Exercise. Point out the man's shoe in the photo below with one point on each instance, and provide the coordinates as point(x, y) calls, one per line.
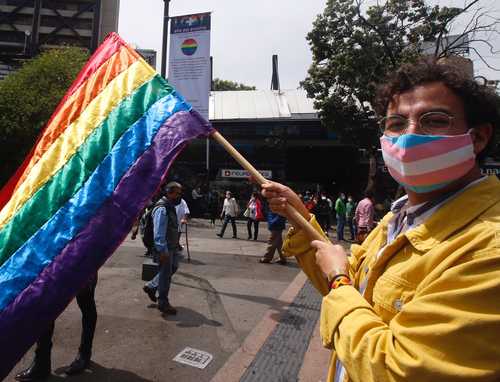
point(218, 234)
point(263, 260)
point(282, 261)
point(150, 292)
point(78, 366)
point(38, 371)
point(167, 309)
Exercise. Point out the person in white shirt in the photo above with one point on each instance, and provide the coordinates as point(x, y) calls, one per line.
point(230, 210)
point(182, 211)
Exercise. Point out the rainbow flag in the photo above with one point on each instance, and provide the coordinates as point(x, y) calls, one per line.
point(102, 155)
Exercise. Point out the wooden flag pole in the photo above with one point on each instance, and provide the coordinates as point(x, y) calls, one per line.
point(294, 215)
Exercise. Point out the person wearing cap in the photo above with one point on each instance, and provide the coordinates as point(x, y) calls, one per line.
point(166, 246)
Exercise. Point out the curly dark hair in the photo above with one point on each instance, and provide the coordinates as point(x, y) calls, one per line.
point(481, 104)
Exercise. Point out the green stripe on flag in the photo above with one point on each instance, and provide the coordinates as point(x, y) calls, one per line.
point(70, 178)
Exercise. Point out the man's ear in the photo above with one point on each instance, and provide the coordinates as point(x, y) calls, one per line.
point(481, 136)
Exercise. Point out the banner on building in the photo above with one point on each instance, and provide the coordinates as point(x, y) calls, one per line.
point(189, 59)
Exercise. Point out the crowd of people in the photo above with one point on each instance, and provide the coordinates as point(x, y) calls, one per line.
point(358, 217)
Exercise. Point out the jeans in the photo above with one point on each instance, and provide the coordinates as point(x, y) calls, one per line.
point(352, 227)
point(255, 228)
point(228, 218)
point(340, 227)
point(323, 221)
point(86, 303)
point(163, 278)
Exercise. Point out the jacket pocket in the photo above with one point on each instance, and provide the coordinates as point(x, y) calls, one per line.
point(390, 294)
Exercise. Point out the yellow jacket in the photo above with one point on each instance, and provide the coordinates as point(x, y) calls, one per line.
point(431, 310)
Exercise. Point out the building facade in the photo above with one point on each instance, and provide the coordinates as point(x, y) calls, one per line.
point(28, 26)
point(280, 133)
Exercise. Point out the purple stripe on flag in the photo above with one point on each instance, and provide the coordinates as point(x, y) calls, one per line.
point(27, 318)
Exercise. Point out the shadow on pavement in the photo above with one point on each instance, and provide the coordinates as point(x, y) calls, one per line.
point(97, 372)
point(282, 314)
point(188, 318)
point(192, 262)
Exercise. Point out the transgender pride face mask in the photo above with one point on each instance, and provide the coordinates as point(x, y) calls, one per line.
point(425, 163)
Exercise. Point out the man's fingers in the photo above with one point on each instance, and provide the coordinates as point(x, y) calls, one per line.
point(277, 203)
point(316, 244)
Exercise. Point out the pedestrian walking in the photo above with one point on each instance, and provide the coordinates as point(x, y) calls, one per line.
point(276, 224)
point(213, 206)
point(41, 366)
point(230, 211)
point(363, 216)
point(166, 246)
point(350, 209)
point(340, 212)
point(254, 215)
point(418, 300)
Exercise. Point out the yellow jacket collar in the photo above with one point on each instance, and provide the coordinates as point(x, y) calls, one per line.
point(455, 214)
point(451, 216)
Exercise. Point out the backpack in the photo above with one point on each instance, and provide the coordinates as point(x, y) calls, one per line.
point(322, 207)
point(146, 224)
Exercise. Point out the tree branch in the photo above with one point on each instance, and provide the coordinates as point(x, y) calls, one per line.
point(484, 61)
point(382, 38)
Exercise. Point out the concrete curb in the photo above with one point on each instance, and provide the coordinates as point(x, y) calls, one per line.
point(237, 364)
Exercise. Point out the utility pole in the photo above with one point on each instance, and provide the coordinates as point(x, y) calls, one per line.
point(35, 28)
point(208, 139)
point(165, 39)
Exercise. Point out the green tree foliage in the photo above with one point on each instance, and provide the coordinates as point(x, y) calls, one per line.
point(28, 98)
point(223, 85)
point(354, 46)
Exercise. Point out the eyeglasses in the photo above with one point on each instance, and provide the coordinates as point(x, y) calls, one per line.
point(431, 123)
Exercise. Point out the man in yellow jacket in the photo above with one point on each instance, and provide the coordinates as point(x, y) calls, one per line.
point(419, 300)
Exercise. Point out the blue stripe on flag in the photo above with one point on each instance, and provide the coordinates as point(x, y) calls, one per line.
point(39, 251)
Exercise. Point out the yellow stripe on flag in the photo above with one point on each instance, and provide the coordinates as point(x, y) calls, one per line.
point(75, 134)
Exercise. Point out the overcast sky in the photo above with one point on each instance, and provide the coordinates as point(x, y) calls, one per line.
point(245, 34)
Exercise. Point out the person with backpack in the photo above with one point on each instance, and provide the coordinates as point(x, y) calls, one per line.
point(140, 228)
point(165, 238)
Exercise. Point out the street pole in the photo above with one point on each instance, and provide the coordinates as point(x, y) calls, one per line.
point(208, 140)
point(165, 39)
point(35, 29)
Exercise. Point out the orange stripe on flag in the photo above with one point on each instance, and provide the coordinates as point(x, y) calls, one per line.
point(78, 101)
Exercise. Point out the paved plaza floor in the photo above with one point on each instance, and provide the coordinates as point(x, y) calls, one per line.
point(241, 312)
